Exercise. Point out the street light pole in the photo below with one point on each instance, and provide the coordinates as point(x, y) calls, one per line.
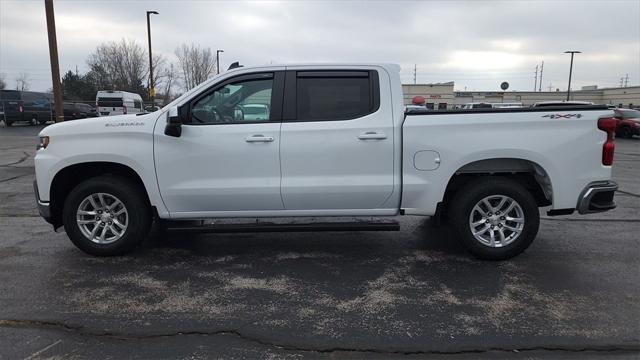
point(570, 70)
point(218, 61)
point(152, 91)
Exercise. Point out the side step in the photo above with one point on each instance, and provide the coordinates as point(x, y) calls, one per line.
point(292, 227)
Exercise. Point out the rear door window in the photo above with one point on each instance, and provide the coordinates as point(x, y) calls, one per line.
point(334, 95)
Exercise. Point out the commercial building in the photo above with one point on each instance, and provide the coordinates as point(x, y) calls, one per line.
point(443, 96)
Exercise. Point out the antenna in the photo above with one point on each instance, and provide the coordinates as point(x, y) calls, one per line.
point(535, 84)
point(541, 68)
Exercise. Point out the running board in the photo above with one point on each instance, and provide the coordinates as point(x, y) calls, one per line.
point(295, 227)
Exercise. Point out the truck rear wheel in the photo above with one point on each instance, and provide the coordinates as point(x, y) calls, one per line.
point(107, 216)
point(495, 218)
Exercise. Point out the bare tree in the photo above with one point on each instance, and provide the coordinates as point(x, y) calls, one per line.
point(22, 82)
point(159, 71)
point(169, 78)
point(196, 64)
point(3, 82)
point(123, 66)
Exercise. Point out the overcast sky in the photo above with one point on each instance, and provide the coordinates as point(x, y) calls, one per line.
point(477, 44)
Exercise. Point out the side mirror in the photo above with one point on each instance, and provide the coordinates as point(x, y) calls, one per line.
point(174, 124)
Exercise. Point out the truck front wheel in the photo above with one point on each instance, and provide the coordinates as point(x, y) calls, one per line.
point(107, 216)
point(495, 218)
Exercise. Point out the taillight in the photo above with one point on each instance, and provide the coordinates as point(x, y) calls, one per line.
point(609, 126)
point(20, 107)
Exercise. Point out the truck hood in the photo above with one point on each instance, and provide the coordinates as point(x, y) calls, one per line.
point(103, 125)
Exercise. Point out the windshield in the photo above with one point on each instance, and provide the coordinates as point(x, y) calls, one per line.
point(9, 95)
point(109, 102)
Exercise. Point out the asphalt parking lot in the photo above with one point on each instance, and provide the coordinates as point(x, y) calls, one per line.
point(413, 293)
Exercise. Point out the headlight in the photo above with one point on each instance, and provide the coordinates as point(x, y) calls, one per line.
point(44, 142)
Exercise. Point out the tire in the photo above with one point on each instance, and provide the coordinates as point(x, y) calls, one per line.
point(467, 207)
point(626, 133)
point(124, 230)
point(8, 123)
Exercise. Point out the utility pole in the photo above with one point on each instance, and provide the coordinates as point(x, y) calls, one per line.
point(626, 80)
point(53, 58)
point(572, 52)
point(550, 87)
point(535, 84)
point(415, 71)
point(541, 68)
point(621, 81)
point(218, 61)
point(152, 90)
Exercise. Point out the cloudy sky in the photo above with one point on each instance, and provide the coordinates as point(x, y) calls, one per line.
point(477, 44)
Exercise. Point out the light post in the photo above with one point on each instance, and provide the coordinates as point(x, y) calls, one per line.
point(571, 69)
point(218, 61)
point(152, 91)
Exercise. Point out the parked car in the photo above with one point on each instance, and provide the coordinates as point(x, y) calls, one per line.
point(410, 108)
point(150, 108)
point(562, 103)
point(477, 105)
point(628, 122)
point(483, 105)
point(25, 106)
point(111, 102)
point(76, 110)
point(337, 143)
point(255, 111)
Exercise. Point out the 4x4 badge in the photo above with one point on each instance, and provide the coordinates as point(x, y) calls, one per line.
point(562, 116)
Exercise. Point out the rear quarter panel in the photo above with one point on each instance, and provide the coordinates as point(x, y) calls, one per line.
point(569, 150)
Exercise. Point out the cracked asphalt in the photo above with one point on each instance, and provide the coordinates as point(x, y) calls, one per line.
point(413, 293)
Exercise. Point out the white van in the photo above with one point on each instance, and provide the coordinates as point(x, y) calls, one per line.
point(112, 102)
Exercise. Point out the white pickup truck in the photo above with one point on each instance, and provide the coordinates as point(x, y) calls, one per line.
point(331, 141)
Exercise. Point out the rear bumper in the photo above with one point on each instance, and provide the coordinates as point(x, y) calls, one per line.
point(43, 207)
point(597, 197)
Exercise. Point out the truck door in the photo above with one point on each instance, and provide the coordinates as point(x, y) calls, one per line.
point(225, 161)
point(336, 146)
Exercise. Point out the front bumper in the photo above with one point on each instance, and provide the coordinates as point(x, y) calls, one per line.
point(43, 207)
point(597, 197)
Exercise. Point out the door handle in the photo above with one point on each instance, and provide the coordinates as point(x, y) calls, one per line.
point(258, 138)
point(372, 135)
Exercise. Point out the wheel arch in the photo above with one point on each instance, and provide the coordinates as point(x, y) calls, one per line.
point(528, 173)
point(72, 175)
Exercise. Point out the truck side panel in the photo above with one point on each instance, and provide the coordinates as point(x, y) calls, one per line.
point(569, 150)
